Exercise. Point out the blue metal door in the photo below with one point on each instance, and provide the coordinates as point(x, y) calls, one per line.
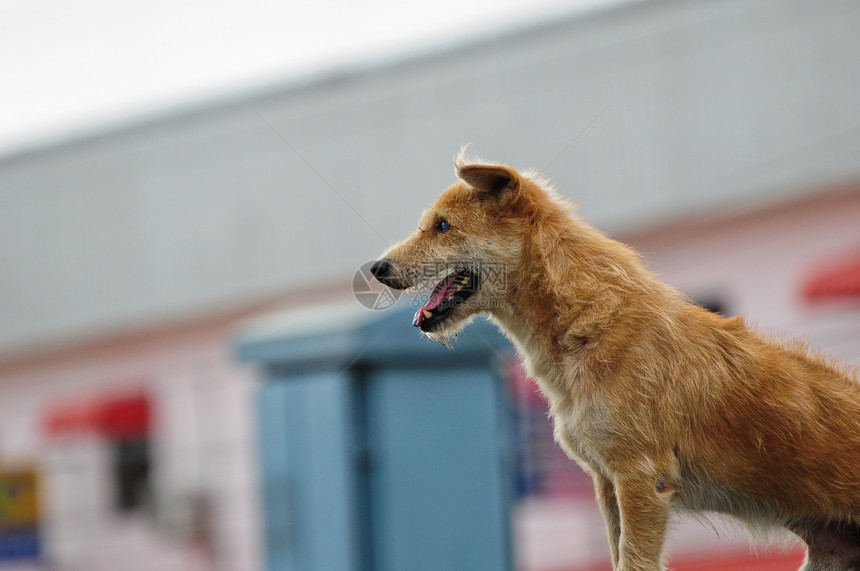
point(438, 485)
point(308, 488)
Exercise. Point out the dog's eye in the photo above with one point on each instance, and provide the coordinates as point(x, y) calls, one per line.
point(442, 226)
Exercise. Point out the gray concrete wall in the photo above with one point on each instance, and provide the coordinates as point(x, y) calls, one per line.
point(702, 106)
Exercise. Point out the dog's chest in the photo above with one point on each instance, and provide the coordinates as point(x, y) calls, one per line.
point(582, 424)
point(582, 427)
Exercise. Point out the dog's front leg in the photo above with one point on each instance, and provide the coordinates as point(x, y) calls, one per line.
point(605, 491)
point(644, 518)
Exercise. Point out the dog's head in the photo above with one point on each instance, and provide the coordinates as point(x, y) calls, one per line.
point(468, 244)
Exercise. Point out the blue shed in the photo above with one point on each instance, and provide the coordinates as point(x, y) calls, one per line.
point(381, 450)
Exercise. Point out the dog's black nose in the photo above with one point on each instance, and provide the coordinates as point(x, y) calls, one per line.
point(379, 268)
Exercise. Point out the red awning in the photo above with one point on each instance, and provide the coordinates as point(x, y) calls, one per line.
point(839, 280)
point(115, 417)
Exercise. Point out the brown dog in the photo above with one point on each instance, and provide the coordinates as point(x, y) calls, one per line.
point(666, 405)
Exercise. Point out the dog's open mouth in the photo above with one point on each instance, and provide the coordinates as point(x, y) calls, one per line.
point(448, 295)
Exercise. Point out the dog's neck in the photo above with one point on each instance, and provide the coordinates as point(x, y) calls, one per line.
point(569, 291)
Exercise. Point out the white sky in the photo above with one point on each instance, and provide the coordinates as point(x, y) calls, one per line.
point(68, 66)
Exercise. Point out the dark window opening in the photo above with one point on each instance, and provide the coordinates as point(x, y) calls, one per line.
point(714, 304)
point(132, 464)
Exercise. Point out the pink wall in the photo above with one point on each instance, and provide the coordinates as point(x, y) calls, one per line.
point(203, 446)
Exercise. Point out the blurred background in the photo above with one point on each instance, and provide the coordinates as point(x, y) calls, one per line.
point(196, 373)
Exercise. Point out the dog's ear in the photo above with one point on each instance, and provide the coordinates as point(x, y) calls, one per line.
point(498, 183)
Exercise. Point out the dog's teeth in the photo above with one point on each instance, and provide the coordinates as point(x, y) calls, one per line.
point(427, 314)
point(458, 289)
point(466, 280)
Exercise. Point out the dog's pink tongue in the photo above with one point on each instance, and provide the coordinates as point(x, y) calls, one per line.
point(435, 300)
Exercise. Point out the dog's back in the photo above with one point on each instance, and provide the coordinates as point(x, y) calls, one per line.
point(767, 426)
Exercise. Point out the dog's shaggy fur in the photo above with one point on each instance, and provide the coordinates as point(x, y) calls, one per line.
point(666, 405)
